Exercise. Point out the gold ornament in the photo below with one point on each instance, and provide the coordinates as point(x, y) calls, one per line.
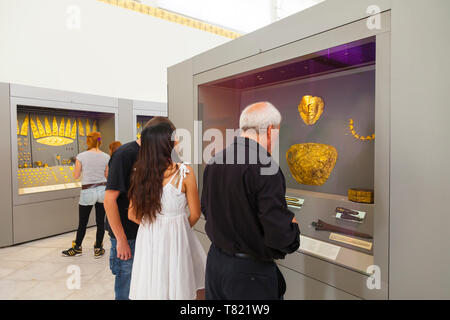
point(351, 128)
point(80, 128)
point(310, 109)
point(24, 129)
point(311, 163)
point(360, 195)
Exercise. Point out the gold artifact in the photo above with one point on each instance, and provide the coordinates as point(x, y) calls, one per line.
point(24, 128)
point(61, 128)
point(52, 136)
point(68, 129)
point(311, 163)
point(80, 128)
point(18, 131)
point(34, 129)
point(40, 127)
point(351, 127)
point(48, 129)
point(310, 109)
point(73, 134)
point(94, 126)
point(88, 127)
point(360, 195)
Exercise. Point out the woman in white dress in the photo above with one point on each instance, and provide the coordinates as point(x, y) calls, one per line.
point(169, 261)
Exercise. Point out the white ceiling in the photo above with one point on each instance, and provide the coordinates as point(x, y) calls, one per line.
point(239, 15)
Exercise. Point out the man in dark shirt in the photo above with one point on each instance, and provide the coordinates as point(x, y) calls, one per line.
point(121, 230)
point(247, 219)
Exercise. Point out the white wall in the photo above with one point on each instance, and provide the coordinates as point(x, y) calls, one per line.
point(115, 52)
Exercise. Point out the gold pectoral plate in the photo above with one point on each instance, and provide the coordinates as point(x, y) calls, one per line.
point(310, 109)
point(311, 163)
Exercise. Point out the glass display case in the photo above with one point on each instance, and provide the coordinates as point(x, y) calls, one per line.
point(48, 140)
point(140, 123)
point(326, 143)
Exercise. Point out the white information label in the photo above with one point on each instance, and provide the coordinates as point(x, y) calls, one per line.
point(319, 248)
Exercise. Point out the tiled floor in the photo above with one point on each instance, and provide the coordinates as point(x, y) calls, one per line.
point(37, 270)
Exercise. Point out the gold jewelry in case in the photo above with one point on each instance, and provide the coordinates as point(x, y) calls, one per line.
point(311, 163)
point(310, 109)
point(351, 128)
point(360, 195)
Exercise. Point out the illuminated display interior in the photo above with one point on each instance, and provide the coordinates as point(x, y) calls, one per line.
point(48, 141)
point(326, 144)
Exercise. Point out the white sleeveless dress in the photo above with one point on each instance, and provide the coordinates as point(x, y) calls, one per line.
point(169, 261)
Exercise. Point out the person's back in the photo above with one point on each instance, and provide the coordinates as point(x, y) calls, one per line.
point(93, 164)
point(92, 167)
point(240, 200)
point(247, 219)
point(169, 260)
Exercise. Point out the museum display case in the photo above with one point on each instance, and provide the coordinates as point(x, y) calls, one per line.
point(140, 123)
point(48, 141)
point(326, 141)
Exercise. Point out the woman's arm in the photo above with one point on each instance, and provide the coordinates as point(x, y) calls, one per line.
point(106, 172)
point(132, 214)
point(190, 185)
point(77, 171)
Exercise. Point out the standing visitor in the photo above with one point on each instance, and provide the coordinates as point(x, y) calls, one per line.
point(121, 230)
point(169, 262)
point(247, 219)
point(92, 167)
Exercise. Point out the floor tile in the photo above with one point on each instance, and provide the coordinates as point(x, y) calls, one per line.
point(27, 254)
point(7, 267)
point(47, 290)
point(10, 289)
point(38, 271)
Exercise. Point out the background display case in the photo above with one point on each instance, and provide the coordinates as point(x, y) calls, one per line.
point(140, 123)
point(48, 140)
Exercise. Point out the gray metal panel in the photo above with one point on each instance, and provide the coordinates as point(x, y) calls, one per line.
point(420, 152)
point(62, 96)
point(320, 18)
point(158, 107)
point(6, 229)
point(39, 220)
point(181, 100)
point(345, 34)
point(300, 287)
point(382, 156)
point(125, 121)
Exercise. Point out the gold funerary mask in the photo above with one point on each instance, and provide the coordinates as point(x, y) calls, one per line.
point(310, 109)
point(311, 163)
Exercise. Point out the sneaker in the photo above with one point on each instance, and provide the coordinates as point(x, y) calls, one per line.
point(98, 251)
point(74, 251)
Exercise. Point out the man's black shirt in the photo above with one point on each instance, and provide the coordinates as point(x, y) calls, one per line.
point(120, 168)
point(245, 210)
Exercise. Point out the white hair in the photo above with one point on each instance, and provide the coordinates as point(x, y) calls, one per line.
point(258, 116)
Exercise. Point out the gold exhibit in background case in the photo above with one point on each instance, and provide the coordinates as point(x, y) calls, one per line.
point(311, 163)
point(311, 109)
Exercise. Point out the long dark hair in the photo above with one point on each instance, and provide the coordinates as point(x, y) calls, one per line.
point(147, 179)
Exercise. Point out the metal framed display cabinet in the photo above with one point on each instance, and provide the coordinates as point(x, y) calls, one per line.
point(214, 86)
point(52, 126)
point(143, 111)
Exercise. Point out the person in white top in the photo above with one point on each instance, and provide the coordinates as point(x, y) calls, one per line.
point(169, 261)
point(92, 167)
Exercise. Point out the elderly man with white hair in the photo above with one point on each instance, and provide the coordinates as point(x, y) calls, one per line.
point(247, 219)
